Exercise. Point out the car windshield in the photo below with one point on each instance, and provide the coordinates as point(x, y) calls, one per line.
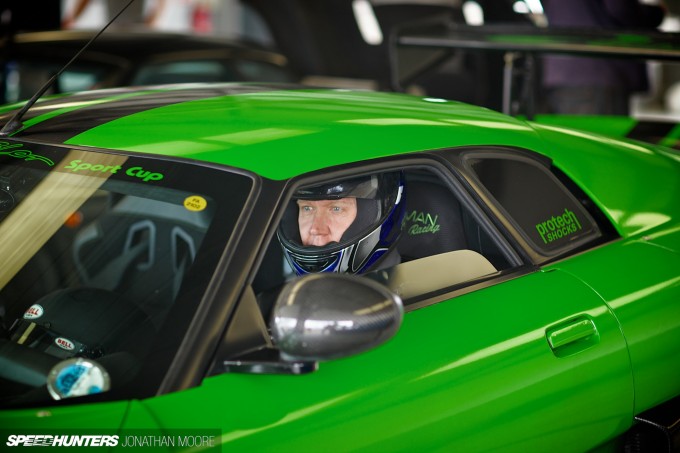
point(104, 260)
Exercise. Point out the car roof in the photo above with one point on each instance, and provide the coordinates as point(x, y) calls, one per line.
point(273, 130)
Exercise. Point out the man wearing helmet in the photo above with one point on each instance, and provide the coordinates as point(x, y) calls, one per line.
point(344, 226)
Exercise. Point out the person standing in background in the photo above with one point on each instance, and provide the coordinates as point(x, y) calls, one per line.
point(600, 86)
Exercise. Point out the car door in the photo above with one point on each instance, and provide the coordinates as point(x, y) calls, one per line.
point(525, 358)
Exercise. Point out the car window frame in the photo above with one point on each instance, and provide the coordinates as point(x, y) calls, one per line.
point(458, 158)
point(450, 176)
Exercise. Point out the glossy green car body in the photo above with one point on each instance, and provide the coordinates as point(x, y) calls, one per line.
point(558, 353)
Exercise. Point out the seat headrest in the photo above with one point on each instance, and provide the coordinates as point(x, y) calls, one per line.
point(432, 223)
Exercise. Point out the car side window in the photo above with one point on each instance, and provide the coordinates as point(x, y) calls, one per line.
point(547, 215)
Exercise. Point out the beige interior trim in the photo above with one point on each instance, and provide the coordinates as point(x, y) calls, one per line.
point(434, 272)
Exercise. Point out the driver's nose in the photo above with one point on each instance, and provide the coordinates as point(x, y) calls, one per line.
point(319, 224)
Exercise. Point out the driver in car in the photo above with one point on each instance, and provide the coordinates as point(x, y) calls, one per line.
point(347, 226)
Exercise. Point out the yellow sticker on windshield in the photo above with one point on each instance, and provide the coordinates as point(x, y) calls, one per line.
point(195, 203)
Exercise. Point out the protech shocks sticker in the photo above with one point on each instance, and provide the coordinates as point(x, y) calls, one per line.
point(558, 227)
point(421, 223)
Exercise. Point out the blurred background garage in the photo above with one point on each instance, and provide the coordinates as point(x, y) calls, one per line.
point(343, 43)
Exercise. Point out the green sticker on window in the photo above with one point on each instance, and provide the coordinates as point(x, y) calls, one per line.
point(558, 227)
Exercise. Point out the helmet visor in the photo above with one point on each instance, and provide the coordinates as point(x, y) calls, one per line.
point(361, 187)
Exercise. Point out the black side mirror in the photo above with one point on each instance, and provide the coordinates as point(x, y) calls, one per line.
point(328, 316)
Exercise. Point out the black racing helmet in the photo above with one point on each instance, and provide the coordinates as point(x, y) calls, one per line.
point(371, 236)
point(82, 322)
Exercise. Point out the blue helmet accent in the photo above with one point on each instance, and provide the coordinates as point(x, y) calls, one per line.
point(372, 235)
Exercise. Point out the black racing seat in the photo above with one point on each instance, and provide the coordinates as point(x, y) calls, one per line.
point(433, 221)
point(141, 249)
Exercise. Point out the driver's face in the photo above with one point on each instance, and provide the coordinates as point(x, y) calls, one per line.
point(325, 221)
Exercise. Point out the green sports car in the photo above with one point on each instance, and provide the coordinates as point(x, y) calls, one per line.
point(246, 267)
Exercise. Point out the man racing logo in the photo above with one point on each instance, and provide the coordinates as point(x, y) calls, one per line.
point(421, 223)
point(558, 227)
